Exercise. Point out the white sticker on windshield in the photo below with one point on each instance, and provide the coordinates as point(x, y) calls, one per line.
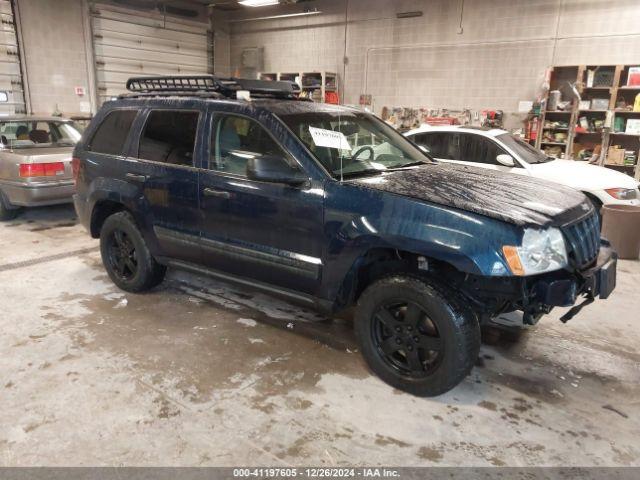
point(329, 139)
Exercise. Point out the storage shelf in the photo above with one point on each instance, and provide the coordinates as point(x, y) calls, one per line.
point(622, 134)
point(316, 85)
point(614, 90)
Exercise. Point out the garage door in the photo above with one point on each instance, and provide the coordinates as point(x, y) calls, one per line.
point(131, 43)
point(10, 75)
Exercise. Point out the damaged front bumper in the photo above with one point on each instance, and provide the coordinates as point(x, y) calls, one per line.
point(539, 294)
point(564, 288)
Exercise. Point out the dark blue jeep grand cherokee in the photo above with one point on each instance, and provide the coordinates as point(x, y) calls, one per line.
point(331, 207)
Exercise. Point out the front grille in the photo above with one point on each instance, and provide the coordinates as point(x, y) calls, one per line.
point(584, 240)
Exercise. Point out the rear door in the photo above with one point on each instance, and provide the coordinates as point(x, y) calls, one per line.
point(161, 165)
point(268, 232)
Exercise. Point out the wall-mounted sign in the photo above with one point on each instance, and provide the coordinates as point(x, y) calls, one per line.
point(79, 91)
point(4, 96)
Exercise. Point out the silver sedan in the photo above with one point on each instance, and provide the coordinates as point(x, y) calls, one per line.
point(35, 162)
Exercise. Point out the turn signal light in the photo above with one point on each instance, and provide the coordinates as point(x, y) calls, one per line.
point(41, 169)
point(513, 260)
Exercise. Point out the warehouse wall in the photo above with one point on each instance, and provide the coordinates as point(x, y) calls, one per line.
point(495, 57)
point(54, 55)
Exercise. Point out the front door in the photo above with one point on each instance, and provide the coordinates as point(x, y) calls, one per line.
point(268, 232)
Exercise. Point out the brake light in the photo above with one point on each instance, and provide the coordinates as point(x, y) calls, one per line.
point(75, 168)
point(42, 169)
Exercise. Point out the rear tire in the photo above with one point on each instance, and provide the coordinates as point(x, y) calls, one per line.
point(415, 335)
point(126, 257)
point(6, 213)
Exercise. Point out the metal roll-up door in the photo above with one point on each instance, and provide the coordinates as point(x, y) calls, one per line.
point(130, 43)
point(10, 73)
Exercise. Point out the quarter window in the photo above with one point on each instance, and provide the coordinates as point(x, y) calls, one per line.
point(169, 136)
point(112, 133)
point(235, 140)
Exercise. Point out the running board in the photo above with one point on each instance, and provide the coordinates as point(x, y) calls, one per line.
point(323, 305)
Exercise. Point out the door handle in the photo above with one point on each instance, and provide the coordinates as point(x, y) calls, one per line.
point(136, 178)
point(211, 192)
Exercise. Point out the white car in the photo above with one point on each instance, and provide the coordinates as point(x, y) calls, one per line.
point(499, 150)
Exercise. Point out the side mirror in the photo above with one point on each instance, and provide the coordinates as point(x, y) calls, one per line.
point(506, 160)
point(274, 169)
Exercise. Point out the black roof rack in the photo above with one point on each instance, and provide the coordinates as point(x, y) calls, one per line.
point(200, 85)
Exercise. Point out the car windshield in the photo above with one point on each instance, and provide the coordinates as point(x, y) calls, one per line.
point(351, 144)
point(525, 151)
point(38, 134)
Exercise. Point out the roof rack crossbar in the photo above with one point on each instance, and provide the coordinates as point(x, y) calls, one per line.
point(210, 83)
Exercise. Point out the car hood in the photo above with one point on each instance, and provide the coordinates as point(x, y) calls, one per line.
point(582, 175)
point(516, 199)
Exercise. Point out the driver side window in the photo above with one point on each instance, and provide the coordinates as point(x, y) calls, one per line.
point(235, 140)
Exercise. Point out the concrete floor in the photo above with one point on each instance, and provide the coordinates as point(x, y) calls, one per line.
point(203, 373)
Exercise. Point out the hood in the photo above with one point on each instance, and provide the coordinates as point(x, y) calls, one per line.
point(516, 199)
point(582, 175)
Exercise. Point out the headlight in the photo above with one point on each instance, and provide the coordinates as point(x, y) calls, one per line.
point(541, 251)
point(623, 193)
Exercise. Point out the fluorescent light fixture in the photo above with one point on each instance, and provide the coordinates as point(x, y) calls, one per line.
point(273, 17)
point(258, 3)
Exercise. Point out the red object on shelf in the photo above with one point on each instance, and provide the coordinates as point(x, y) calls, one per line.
point(634, 77)
point(331, 97)
point(533, 126)
point(441, 121)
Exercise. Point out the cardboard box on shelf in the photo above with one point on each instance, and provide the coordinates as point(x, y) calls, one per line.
point(615, 156)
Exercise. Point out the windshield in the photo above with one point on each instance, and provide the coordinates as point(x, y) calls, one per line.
point(352, 143)
point(525, 151)
point(38, 134)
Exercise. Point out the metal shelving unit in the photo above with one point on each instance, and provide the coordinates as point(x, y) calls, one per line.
point(616, 92)
point(313, 84)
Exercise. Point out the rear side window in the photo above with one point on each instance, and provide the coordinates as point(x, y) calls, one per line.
point(169, 136)
point(475, 148)
point(113, 132)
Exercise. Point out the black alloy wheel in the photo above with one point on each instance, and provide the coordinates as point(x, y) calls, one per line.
point(406, 338)
point(416, 334)
point(122, 256)
point(125, 255)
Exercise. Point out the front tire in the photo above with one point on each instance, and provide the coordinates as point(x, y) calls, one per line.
point(125, 255)
point(416, 335)
point(6, 213)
